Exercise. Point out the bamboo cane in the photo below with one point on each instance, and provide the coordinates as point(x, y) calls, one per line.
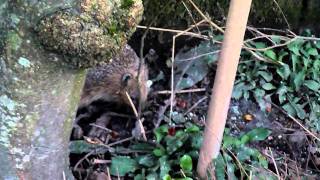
point(224, 80)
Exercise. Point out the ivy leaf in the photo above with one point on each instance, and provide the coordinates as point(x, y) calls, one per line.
point(313, 51)
point(276, 39)
point(159, 152)
point(299, 110)
point(268, 86)
point(313, 85)
point(271, 54)
point(81, 146)
point(219, 164)
point(295, 60)
point(160, 132)
point(146, 160)
point(267, 76)
point(186, 163)
point(122, 165)
point(295, 46)
point(238, 90)
point(259, 45)
point(284, 71)
point(289, 109)
point(282, 90)
point(282, 54)
point(193, 128)
point(164, 166)
point(257, 134)
point(175, 142)
point(298, 80)
point(166, 177)
point(152, 176)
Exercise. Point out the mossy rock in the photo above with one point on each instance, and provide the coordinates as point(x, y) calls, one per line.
point(92, 32)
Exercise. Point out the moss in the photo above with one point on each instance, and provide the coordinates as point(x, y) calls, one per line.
point(92, 35)
point(74, 101)
point(13, 40)
point(126, 4)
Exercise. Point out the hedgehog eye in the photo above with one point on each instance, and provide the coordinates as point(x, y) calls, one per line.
point(125, 79)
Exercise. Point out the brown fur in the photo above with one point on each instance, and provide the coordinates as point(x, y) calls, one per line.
point(105, 81)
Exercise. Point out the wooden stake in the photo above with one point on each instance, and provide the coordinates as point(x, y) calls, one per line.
point(223, 84)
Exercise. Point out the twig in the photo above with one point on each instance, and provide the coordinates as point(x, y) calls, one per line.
point(101, 161)
point(104, 128)
point(121, 141)
point(190, 14)
point(205, 17)
point(274, 163)
point(295, 120)
point(176, 31)
point(238, 162)
point(173, 89)
point(181, 91)
point(134, 109)
point(284, 17)
point(201, 55)
point(161, 112)
point(143, 132)
point(195, 105)
point(82, 159)
point(108, 173)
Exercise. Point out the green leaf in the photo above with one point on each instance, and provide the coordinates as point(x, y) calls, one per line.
point(298, 80)
point(193, 128)
point(289, 109)
point(313, 51)
point(282, 54)
point(299, 110)
point(175, 142)
point(295, 61)
point(13, 40)
point(146, 160)
point(152, 176)
point(259, 45)
point(267, 76)
point(238, 90)
point(122, 165)
point(142, 146)
point(271, 54)
point(229, 141)
point(312, 84)
point(81, 146)
point(186, 163)
point(259, 93)
point(164, 166)
point(281, 91)
point(317, 44)
point(160, 132)
point(284, 71)
point(257, 134)
point(295, 46)
point(138, 177)
point(268, 86)
point(186, 178)
point(166, 177)
point(178, 117)
point(159, 152)
point(219, 167)
point(276, 39)
point(196, 140)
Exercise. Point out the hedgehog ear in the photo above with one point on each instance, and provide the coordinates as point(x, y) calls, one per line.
point(125, 79)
